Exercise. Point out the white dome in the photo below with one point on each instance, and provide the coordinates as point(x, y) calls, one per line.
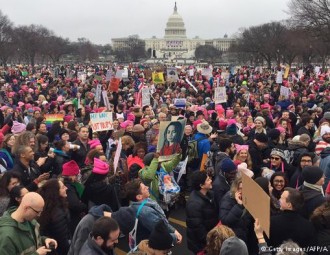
point(175, 26)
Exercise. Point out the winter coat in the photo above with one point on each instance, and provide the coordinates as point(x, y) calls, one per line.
point(325, 165)
point(60, 159)
point(313, 199)
point(291, 225)
point(256, 157)
point(80, 155)
point(235, 216)
point(90, 247)
point(296, 148)
point(203, 146)
point(58, 228)
point(201, 218)
point(27, 179)
point(220, 187)
point(49, 163)
point(19, 238)
point(85, 227)
point(149, 176)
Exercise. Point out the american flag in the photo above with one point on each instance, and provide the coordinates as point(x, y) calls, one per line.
point(138, 84)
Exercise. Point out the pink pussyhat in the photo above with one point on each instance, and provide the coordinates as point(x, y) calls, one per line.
point(94, 143)
point(100, 167)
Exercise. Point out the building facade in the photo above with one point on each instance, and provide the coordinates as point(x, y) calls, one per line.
point(175, 44)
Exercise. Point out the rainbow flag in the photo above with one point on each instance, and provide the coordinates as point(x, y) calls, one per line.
point(51, 118)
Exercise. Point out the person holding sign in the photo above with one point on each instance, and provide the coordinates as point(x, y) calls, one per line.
point(172, 139)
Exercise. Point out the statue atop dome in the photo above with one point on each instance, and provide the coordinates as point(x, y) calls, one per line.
point(175, 8)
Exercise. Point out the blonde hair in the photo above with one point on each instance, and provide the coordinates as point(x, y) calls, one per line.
point(215, 238)
point(248, 160)
point(127, 140)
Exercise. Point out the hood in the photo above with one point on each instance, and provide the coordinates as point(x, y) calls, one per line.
point(292, 145)
point(98, 210)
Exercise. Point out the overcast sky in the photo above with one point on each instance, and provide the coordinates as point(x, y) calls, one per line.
point(101, 20)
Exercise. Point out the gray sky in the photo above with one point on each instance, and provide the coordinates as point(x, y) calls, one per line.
point(101, 20)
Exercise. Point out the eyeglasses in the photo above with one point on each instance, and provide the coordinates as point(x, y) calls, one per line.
point(306, 161)
point(272, 158)
point(37, 212)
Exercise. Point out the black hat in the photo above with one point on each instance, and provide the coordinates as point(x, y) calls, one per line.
point(198, 178)
point(261, 137)
point(274, 134)
point(160, 238)
point(312, 174)
point(148, 158)
point(199, 112)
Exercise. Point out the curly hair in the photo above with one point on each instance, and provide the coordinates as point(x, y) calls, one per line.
point(51, 195)
point(215, 238)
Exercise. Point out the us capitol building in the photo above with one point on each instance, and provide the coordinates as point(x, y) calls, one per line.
point(175, 44)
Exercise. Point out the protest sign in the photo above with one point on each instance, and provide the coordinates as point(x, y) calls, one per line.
point(114, 84)
point(170, 136)
point(172, 75)
point(256, 201)
point(117, 156)
point(108, 75)
point(286, 73)
point(145, 96)
point(51, 118)
point(190, 84)
point(220, 95)
point(106, 99)
point(97, 98)
point(285, 92)
point(158, 77)
point(279, 77)
point(101, 121)
point(119, 74)
point(191, 72)
point(180, 103)
point(182, 166)
point(300, 73)
point(207, 72)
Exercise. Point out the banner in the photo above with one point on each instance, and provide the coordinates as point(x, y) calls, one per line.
point(101, 121)
point(114, 84)
point(117, 156)
point(51, 118)
point(220, 95)
point(180, 103)
point(158, 77)
point(145, 96)
point(172, 75)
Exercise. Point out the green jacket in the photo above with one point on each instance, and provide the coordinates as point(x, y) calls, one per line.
point(150, 178)
point(19, 238)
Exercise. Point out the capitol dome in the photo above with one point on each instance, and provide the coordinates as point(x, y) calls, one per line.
point(175, 26)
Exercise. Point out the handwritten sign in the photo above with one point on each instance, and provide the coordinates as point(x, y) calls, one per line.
point(101, 121)
point(220, 95)
point(117, 155)
point(279, 77)
point(98, 93)
point(285, 92)
point(145, 96)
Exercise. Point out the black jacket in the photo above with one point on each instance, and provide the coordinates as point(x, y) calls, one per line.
point(256, 157)
point(59, 160)
point(27, 177)
point(201, 218)
point(291, 225)
point(313, 199)
point(220, 187)
point(80, 155)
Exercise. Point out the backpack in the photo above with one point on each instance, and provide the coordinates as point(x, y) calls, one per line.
point(132, 234)
point(192, 151)
point(168, 188)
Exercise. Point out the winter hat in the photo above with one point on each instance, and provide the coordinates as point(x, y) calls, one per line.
point(281, 129)
point(263, 182)
point(261, 119)
point(148, 158)
point(228, 166)
point(130, 117)
point(274, 134)
point(142, 121)
point(325, 129)
point(277, 152)
point(231, 129)
point(312, 174)
point(18, 127)
point(326, 115)
point(94, 143)
point(196, 123)
point(70, 168)
point(125, 217)
point(160, 238)
point(242, 168)
point(261, 137)
point(233, 245)
point(138, 128)
point(100, 167)
point(241, 147)
point(68, 118)
point(229, 113)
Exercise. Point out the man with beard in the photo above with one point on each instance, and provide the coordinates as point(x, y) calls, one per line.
point(325, 142)
point(103, 238)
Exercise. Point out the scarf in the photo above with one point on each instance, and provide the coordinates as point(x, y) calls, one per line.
point(314, 187)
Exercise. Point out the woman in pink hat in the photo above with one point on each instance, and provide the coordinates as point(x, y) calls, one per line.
point(243, 155)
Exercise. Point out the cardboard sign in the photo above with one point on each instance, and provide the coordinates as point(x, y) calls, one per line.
point(279, 77)
point(145, 96)
point(285, 92)
point(158, 77)
point(257, 202)
point(203, 162)
point(117, 155)
point(101, 121)
point(286, 73)
point(180, 103)
point(114, 84)
point(220, 95)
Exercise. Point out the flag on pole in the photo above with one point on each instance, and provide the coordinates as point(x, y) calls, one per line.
point(138, 84)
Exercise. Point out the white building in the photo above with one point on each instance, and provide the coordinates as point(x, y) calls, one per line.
point(175, 44)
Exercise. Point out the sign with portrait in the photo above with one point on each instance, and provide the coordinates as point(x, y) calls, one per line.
point(170, 136)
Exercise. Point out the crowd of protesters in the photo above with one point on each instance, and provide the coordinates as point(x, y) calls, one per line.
point(60, 193)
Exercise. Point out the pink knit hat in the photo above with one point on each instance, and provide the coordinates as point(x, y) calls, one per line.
point(100, 167)
point(18, 127)
point(70, 168)
point(281, 129)
point(94, 143)
point(68, 118)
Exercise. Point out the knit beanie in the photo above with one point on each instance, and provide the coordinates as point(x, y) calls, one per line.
point(274, 134)
point(231, 129)
point(277, 152)
point(233, 245)
point(94, 143)
point(227, 166)
point(261, 137)
point(324, 130)
point(160, 238)
point(261, 119)
point(312, 174)
point(70, 168)
point(18, 127)
point(100, 167)
point(148, 158)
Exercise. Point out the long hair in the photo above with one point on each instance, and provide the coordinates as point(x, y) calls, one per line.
point(248, 159)
point(50, 192)
point(178, 128)
point(41, 139)
point(234, 186)
point(215, 238)
point(5, 180)
point(15, 194)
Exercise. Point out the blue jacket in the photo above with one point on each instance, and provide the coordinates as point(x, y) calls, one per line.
point(203, 146)
point(325, 165)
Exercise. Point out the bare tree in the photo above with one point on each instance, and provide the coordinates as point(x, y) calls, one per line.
point(6, 38)
point(207, 53)
point(56, 47)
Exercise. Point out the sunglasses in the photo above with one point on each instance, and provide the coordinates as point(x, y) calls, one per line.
point(272, 158)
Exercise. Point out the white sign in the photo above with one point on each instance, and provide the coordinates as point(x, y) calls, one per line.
point(191, 72)
point(220, 95)
point(207, 72)
point(285, 92)
point(279, 77)
point(145, 96)
point(97, 98)
point(106, 99)
point(117, 156)
point(190, 84)
point(182, 165)
point(119, 73)
point(300, 73)
point(109, 75)
point(101, 121)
